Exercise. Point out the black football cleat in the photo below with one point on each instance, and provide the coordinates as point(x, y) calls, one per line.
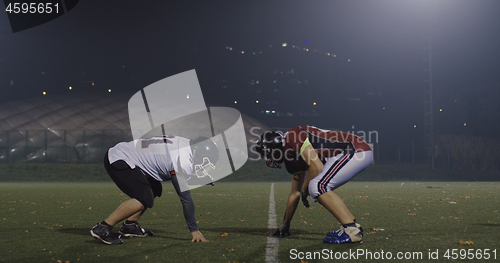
point(101, 232)
point(134, 230)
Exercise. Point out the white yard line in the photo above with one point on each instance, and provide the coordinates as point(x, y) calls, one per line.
point(272, 242)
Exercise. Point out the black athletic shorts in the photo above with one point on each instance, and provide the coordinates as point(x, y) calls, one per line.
point(133, 182)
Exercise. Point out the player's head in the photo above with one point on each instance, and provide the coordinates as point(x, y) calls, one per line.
point(270, 147)
point(205, 155)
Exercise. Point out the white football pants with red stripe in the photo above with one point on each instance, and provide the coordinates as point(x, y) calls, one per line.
point(337, 171)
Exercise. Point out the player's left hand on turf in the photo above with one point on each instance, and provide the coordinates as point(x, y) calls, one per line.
point(283, 230)
point(303, 197)
point(198, 237)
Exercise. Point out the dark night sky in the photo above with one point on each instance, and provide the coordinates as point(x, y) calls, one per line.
point(157, 39)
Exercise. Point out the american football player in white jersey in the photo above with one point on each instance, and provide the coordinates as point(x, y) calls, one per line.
point(138, 167)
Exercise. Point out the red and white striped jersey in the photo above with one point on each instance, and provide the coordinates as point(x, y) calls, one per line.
point(327, 144)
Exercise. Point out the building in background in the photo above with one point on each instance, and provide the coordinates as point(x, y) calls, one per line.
point(69, 128)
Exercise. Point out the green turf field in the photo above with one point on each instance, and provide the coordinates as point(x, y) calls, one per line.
point(50, 222)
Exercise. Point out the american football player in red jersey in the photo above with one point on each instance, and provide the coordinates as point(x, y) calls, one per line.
point(320, 161)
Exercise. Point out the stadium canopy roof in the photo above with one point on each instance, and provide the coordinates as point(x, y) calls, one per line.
point(70, 128)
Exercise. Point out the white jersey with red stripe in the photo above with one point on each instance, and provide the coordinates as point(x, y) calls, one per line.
point(159, 157)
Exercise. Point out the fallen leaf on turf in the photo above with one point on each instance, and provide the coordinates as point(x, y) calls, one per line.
point(224, 234)
point(230, 250)
point(465, 242)
point(302, 261)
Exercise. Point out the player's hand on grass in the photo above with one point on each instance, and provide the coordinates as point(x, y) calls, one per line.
point(303, 197)
point(198, 237)
point(283, 231)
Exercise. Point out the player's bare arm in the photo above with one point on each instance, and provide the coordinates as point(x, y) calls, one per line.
point(294, 196)
point(291, 205)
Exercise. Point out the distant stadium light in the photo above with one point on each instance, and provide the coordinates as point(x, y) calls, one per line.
point(284, 44)
point(44, 93)
point(70, 88)
point(109, 90)
point(187, 97)
point(257, 101)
